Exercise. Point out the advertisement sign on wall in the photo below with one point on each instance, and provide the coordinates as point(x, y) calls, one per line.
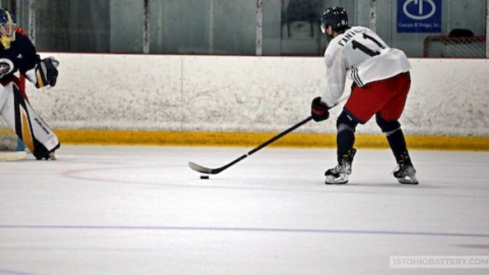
point(419, 16)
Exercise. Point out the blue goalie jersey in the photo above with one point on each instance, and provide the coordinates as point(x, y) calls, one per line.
point(21, 56)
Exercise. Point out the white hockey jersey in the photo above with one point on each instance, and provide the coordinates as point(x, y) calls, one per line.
point(362, 55)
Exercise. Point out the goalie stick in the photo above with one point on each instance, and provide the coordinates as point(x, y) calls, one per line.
point(13, 155)
point(213, 171)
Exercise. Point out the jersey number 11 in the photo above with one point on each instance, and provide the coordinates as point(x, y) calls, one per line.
point(365, 49)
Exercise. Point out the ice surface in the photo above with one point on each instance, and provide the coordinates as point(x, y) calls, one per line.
point(142, 210)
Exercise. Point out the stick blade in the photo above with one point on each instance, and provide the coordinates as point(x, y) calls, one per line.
point(202, 169)
point(11, 156)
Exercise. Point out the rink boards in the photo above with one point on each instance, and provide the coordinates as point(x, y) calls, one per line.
point(170, 99)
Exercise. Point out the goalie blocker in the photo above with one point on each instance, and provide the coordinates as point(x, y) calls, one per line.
point(29, 127)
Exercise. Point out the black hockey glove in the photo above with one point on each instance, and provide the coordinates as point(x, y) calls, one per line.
point(46, 72)
point(319, 110)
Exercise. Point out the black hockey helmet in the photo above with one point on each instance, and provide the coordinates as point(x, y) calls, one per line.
point(335, 17)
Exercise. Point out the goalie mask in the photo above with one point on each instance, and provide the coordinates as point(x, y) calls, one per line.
point(7, 28)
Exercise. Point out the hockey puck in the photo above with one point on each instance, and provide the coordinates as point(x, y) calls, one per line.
point(204, 177)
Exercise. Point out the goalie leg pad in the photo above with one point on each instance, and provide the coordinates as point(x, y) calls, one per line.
point(29, 127)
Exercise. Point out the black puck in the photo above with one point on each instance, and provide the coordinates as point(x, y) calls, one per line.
point(204, 177)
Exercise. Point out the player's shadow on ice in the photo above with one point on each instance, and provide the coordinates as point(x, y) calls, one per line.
point(394, 185)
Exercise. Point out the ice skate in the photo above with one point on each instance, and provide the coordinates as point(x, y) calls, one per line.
point(405, 173)
point(50, 155)
point(340, 173)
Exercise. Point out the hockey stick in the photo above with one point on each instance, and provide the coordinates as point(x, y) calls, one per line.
point(13, 155)
point(213, 171)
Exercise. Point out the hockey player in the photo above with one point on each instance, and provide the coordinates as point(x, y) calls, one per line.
point(381, 82)
point(17, 53)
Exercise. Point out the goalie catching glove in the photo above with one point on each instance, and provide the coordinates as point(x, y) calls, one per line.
point(319, 110)
point(44, 73)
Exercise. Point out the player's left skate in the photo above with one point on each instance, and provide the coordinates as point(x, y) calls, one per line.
point(340, 173)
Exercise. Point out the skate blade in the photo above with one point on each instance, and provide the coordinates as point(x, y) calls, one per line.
point(332, 180)
point(408, 180)
point(51, 156)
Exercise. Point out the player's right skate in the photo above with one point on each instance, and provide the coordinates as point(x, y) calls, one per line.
point(405, 173)
point(340, 173)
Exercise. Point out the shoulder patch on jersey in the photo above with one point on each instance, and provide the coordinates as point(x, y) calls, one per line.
point(6, 66)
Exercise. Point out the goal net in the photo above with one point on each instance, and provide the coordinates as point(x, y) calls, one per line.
point(443, 46)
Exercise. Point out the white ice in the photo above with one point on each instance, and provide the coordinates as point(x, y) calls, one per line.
point(142, 210)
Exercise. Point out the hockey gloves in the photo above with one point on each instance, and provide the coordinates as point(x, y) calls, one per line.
point(319, 110)
point(46, 72)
